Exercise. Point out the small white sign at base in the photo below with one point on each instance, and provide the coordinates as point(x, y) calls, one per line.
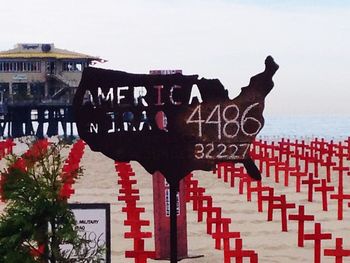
point(93, 224)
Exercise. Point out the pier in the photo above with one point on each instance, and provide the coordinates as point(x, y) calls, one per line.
point(40, 120)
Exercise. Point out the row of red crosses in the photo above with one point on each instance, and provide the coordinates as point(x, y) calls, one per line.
point(70, 169)
point(129, 194)
point(296, 159)
point(217, 225)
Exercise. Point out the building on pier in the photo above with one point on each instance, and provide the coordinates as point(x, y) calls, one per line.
point(40, 73)
point(37, 85)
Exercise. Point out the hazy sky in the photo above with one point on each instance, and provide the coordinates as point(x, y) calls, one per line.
point(224, 39)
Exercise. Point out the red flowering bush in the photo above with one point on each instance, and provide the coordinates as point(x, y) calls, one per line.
point(37, 219)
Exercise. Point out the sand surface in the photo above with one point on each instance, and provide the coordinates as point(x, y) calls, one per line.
point(99, 185)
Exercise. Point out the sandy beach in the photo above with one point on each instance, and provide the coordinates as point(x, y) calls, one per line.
point(99, 185)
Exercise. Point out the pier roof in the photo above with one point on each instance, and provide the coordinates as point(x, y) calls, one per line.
point(44, 51)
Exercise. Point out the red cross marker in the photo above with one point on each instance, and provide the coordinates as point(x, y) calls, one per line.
point(296, 153)
point(270, 162)
point(324, 189)
point(306, 159)
point(191, 186)
point(245, 180)
point(284, 149)
point(222, 232)
point(196, 196)
point(328, 162)
point(140, 256)
point(298, 175)
point(128, 191)
point(212, 219)
point(320, 146)
point(341, 169)
point(123, 168)
point(329, 165)
point(297, 172)
point(254, 153)
point(237, 172)
point(139, 253)
point(310, 182)
point(132, 213)
point(301, 217)
point(137, 234)
point(283, 205)
point(317, 236)
point(284, 167)
point(124, 172)
point(269, 197)
point(204, 208)
point(316, 161)
point(225, 235)
point(300, 146)
point(239, 253)
point(126, 183)
point(129, 198)
point(347, 142)
point(257, 153)
point(223, 169)
point(313, 147)
point(270, 147)
point(338, 252)
point(193, 192)
point(340, 197)
point(259, 189)
point(136, 223)
point(341, 150)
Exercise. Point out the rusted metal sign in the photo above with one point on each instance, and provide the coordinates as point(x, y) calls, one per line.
point(161, 122)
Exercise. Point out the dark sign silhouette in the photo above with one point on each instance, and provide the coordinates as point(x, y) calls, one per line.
point(171, 123)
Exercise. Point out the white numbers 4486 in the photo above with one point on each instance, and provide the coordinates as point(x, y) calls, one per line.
point(227, 121)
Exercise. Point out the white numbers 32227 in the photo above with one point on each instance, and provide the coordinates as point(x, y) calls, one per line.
point(220, 151)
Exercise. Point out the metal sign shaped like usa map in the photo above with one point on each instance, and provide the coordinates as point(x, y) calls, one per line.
point(164, 124)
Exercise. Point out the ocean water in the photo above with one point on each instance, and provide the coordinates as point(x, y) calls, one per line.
point(308, 126)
